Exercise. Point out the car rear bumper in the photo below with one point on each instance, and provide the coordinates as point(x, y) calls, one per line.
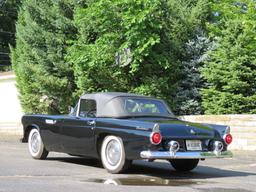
point(184, 155)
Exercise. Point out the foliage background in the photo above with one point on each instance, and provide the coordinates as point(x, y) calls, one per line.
point(198, 55)
point(152, 32)
point(45, 80)
point(231, 68)
point(8, 17)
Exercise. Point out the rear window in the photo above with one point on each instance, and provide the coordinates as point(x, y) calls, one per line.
point(145, 106)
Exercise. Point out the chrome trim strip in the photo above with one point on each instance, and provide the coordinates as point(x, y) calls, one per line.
point(156, 128)
point(184, 155)
point(142, 128)
point(78, 108)
point(50, 121)
point(227, 131)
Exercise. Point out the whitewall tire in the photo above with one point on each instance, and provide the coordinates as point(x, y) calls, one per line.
point(36, 146)
point(113, 155)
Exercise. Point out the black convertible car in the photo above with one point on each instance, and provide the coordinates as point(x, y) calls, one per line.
point(120, 127)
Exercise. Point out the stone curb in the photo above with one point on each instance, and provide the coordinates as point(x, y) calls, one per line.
point(9, 130)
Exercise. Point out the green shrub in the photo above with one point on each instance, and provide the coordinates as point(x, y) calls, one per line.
point(134, 46)
point(45, 80)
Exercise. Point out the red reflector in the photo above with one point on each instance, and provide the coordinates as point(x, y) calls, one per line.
point(228, 138)
point(156, 138)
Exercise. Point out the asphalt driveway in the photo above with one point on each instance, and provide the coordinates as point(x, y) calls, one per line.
point(61, 172)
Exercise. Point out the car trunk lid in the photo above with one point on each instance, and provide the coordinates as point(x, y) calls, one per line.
point(175, 128)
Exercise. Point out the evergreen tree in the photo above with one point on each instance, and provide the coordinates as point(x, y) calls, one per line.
point(8, 17)
point(231, 68)
point(188, 93)
point(45, 80)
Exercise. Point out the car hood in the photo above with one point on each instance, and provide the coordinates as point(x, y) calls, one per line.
point(176, 128)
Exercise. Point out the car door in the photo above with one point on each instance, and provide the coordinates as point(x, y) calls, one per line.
point(50, 132)
point(77, 129)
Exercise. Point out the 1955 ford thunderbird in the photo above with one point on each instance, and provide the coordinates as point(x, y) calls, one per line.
point(120, 127)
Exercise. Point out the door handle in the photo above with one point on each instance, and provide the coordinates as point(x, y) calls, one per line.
point(91, 122)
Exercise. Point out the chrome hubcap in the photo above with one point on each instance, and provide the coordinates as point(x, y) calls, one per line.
point(35, 142)
point(113, 152)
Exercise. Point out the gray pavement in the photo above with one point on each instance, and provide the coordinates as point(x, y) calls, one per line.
point(61, 172)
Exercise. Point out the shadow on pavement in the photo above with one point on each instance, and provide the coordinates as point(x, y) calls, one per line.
point(78, 160)
point(165, 170)
point(159, 169)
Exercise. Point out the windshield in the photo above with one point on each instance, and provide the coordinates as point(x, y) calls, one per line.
point(151, 107)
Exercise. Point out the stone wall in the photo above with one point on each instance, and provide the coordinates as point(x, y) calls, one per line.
point(243, 128)
point(10, 109)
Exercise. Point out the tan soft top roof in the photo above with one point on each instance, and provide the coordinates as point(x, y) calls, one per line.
point(109, 103)
point(109, 95)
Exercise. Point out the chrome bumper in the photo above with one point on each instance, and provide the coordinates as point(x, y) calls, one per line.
point(184, 155)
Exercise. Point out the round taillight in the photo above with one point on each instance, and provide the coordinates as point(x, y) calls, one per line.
point(228, 138)
point(156, 138)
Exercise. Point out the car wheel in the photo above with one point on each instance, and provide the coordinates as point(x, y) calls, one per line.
point(36, 146)
point(113, 155)
point(184, 164)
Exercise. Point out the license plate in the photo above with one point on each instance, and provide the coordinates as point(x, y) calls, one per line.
point(193, 145)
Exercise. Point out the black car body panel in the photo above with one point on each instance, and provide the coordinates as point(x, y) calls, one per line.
point(82, 135)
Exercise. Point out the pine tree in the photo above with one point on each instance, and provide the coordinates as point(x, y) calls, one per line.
point(231, 68)
point(45, 80)
point(188, 93)
point(8, 17)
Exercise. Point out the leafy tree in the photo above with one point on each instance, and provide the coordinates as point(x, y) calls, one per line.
point(45, 80)
point(231, 68)
point(8, 17)
point(134, 46)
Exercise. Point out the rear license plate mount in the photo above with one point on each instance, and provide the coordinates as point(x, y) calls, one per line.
point(194, 145)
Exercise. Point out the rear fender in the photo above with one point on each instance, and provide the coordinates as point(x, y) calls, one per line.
point(221, 129)
point(134, 141)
